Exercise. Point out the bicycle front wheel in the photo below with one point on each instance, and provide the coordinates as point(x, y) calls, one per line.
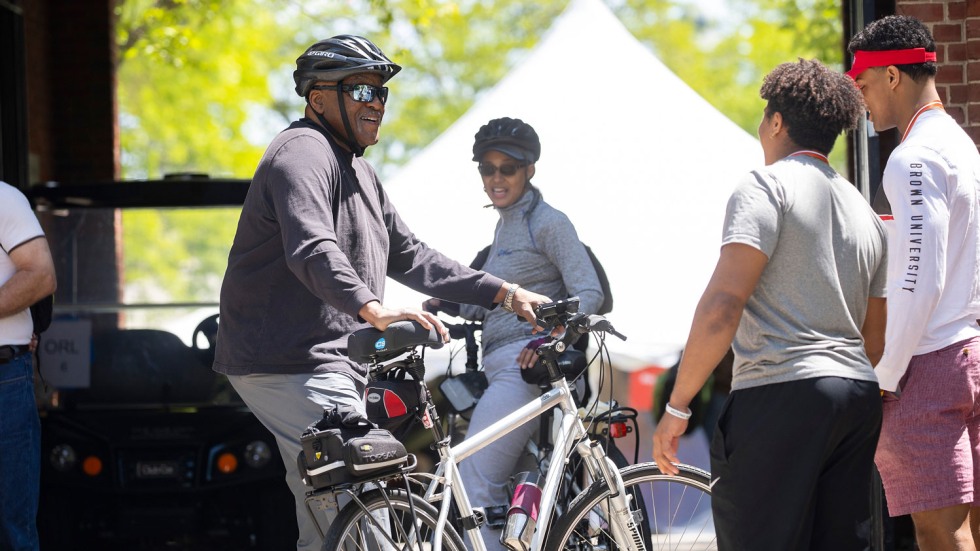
point(388, 520)
point(678, 511)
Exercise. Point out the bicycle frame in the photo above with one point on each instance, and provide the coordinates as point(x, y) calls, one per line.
point(571, 434)
point(447, 486)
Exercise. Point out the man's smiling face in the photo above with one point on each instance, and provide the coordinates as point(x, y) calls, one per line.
point(365, 117)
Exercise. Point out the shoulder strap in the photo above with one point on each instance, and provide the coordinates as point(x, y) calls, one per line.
point(600, 272)
point(481, 258)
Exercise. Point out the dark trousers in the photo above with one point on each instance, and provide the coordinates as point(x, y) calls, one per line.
point(793, 464)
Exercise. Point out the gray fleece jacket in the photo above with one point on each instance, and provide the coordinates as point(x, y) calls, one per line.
point(535, 246)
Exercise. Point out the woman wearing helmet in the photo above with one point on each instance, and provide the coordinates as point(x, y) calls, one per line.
point(316, 239)
point(536, 246)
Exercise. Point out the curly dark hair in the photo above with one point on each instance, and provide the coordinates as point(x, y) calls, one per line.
point(816, 103)
point(897, 32)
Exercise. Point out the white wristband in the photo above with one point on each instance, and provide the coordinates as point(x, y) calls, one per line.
point(685, 415)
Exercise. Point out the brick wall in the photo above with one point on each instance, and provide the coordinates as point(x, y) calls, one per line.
point(71, 121)
point(955, 24)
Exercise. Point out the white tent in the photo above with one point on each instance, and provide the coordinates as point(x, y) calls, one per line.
point(641, 164)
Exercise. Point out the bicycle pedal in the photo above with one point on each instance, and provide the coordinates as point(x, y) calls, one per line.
point(496, 516)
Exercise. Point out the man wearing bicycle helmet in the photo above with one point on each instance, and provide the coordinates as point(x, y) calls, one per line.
point(800, 286)
point(533, 244)
point(316, 239)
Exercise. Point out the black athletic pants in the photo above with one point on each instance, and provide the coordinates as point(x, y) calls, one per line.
point(792, 464)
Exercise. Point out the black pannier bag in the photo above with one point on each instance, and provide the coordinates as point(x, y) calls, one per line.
point(394, 402)
point(343, 446)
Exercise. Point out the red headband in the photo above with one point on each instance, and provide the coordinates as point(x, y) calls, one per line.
point(864, 59)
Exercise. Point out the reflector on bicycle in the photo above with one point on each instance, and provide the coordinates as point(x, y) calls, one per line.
point(618, 430)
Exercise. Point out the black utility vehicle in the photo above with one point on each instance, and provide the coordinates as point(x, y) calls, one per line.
point(143, 446)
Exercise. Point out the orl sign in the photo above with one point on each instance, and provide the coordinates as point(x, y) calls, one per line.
point(66, 354)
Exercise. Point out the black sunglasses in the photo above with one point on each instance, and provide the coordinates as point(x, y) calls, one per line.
point(364, 93)
point(509, 169)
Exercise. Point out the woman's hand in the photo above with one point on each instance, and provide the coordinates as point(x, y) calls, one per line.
point(529, 356)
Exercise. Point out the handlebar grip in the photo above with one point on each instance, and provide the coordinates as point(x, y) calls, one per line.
point(599, 323)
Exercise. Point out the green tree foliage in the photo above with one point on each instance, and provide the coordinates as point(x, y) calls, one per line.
point(191, 74)
point(203, 85)
point(176, 256)
point(726, 60)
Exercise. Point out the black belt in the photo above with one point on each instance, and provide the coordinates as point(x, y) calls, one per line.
point(11, 351)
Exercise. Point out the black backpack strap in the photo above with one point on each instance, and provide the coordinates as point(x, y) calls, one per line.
point(600, 272)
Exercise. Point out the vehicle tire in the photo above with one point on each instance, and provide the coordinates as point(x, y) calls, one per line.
point(678, 512)
point(357, 526)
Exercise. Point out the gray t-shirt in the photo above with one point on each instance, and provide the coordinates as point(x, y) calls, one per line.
point(827, 256)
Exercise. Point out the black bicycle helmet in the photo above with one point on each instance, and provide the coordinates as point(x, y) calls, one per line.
point(512, 137)
point(337, 58)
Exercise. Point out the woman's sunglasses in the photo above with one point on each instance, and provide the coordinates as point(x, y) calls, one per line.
point(510, 169)
point(364, 93)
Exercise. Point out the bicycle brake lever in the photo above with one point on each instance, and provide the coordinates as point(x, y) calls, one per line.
point(599, 323)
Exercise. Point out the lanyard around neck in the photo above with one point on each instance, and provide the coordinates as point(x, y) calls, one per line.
point(810, 153)
point(931, 105)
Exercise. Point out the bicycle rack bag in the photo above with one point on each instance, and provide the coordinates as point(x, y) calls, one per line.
point(343, 447)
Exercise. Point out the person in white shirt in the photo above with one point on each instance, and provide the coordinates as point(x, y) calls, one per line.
point(26, 276)
point(929, 450)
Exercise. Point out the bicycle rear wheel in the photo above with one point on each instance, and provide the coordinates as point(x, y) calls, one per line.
point(678, 511)
point(382, 520)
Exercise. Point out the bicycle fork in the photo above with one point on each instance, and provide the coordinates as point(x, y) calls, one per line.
point(624, 516)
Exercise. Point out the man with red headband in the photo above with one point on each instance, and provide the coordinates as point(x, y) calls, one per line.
point(929, 450)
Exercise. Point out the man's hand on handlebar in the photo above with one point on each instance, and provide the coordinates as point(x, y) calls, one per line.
point(381, 317)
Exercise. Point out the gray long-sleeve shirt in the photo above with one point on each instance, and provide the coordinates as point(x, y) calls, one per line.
point(542, 253)
point(316, 238)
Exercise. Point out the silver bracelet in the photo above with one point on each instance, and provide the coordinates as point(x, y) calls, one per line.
point(685, 415)
point(508, 303)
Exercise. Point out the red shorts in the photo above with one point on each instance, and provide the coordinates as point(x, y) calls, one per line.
point(929, 450)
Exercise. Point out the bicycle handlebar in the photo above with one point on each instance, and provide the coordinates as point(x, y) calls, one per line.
point(564, 313)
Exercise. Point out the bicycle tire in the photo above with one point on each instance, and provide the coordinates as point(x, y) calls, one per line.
point(678, 509)
point(357, 525)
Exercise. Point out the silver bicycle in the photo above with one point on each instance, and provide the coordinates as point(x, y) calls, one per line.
point(636, 508)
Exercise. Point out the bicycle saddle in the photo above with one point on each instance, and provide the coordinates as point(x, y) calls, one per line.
point(370, 345)
point(571, 362)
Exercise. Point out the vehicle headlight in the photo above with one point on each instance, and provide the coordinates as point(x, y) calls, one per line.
point(257, 454)
point(63, 458)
